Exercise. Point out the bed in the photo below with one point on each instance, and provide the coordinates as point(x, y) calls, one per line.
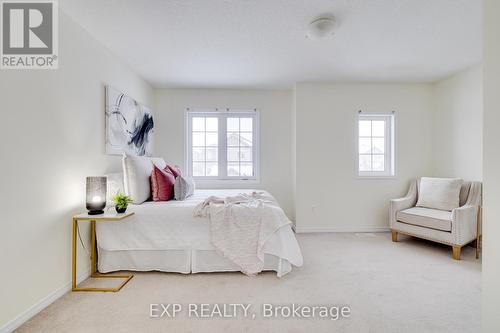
point(165, 236)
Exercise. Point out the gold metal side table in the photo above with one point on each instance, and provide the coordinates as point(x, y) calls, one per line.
point(106, 217)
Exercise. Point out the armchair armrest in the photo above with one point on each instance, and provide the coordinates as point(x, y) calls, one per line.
point(464, 224)
point(408, 201)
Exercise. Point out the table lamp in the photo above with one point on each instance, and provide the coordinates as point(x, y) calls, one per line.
point(96, 195)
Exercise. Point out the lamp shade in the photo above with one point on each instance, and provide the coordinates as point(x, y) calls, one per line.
point(96, 195)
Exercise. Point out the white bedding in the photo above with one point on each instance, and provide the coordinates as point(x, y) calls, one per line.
point(160, 226)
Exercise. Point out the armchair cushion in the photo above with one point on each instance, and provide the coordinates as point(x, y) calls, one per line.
point(439, 193)
point(426, 217)
point(464, 192)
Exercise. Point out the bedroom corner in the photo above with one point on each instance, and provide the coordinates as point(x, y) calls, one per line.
point(253, 166)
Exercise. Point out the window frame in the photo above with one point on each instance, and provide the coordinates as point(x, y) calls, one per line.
point(390, 145)
point(222, 115)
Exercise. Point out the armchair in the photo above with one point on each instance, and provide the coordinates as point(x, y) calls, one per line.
point(456, 228)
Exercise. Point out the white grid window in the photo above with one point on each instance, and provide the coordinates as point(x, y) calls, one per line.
point(376, 145)
point(239, 146)
point(222, 145)
point(205, 143)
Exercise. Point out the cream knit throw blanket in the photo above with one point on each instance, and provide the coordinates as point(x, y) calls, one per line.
point(241, 225)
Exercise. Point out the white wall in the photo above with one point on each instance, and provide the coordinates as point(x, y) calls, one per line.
point(293, 147)
point(329, 196)
point(491, 169)
point(458, 125)
point(275, 119)
point(52, 137)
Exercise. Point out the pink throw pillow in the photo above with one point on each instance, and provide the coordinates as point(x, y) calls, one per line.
point(162, 184)
point(175, 170)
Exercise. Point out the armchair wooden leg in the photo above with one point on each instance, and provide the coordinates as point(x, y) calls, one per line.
point(394, 235)
point(478, 232)
point(478, 246)
point(456, 252)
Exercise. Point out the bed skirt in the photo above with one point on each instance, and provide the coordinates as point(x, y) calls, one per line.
point(179, 261)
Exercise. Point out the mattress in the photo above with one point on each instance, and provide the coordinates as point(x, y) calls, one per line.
point(165, 236)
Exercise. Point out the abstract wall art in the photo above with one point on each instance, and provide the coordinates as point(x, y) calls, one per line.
point(129, 125)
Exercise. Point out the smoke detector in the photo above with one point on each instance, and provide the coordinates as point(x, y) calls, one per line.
point(321, 27)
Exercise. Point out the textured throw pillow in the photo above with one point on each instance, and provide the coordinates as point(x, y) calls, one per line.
point(162, 184)
point(439, 193)
point(183, 188)
point(176, 171)
point(137, 170)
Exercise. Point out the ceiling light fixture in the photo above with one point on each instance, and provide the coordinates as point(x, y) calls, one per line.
point(321, 27)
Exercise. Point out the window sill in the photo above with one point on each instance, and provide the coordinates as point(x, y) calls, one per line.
point(377, 177)
point(226, 182)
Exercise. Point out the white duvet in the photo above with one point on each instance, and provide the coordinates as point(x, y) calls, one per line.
point(171, 225)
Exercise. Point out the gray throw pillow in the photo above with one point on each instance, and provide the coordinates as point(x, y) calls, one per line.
point(183, 188)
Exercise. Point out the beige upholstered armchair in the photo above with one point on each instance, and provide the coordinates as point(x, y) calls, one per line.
point(456, 228)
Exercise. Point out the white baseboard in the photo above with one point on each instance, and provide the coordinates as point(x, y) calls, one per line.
point(42, 304)
point(306, 229)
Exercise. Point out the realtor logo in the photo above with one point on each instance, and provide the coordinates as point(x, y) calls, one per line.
point(29, 34)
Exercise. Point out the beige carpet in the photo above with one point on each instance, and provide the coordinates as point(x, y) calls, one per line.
point(409, 286)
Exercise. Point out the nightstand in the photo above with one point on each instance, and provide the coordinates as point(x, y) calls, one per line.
point(107, 217)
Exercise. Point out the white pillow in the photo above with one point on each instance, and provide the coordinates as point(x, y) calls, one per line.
point(439, 193)
point(114, 185)
point(137, 173)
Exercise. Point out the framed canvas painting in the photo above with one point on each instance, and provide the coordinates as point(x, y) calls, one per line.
point(129, 125)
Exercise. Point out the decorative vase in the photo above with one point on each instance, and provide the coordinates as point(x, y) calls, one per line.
point(120, 210)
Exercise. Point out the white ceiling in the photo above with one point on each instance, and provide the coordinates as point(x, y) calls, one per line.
point(261, 43)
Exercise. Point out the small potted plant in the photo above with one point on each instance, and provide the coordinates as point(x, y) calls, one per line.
point(121, 202)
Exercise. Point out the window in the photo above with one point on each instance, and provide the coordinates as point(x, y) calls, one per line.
point(376, 145)
point(222, 145)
